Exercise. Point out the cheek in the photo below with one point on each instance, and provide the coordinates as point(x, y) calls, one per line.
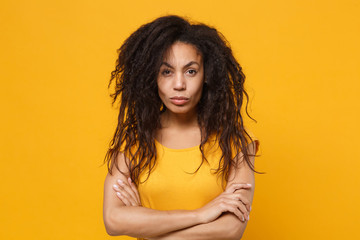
point(161, 95)
point(161, 90)
point(198, 90)
point(198, 95)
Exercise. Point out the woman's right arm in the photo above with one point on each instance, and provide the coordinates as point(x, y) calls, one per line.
point(137, 221)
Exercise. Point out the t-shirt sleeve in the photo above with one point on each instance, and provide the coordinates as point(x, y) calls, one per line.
point(252, 138)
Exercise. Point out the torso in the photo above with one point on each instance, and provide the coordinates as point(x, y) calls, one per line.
point(172, 186)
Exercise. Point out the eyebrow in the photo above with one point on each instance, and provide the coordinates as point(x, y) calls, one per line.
point(187, 65)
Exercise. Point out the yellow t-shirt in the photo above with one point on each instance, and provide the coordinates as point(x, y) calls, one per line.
point(171, 186)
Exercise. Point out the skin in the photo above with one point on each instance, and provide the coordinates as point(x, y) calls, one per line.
point(225, 217)
point(181, 74)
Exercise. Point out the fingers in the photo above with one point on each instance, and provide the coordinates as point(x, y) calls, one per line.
point(231, 189)
point(129, 190)
point(121, 194)
point(124, 194)
point(233, 208)
point(235, 186)
point(235, 201)
point(123, 199)
point(237, 207)
point(237, 213)
point(241, 198)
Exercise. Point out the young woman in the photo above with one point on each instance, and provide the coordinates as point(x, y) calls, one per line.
point(181, 163)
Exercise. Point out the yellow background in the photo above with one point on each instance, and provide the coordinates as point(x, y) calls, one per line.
point(301, 59)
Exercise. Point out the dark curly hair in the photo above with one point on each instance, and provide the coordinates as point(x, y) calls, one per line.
point(135, 76)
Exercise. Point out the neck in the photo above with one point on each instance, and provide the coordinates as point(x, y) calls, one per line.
point(179, 120)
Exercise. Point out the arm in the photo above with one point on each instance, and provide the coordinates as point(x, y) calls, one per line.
point(143, 222)
point(225, 227)
point(137, 221)
point(122, 218)
point(228, 226)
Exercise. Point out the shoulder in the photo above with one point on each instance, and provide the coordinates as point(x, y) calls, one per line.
point(120, 164)
point(253, 142)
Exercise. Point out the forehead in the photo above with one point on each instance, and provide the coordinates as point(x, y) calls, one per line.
point(182, 52)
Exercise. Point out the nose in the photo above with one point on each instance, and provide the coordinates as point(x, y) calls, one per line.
point(180, 83)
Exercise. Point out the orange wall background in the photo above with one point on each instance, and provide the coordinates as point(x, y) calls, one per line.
point(302, 62)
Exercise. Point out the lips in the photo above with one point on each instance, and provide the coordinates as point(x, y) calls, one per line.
point(179, 100)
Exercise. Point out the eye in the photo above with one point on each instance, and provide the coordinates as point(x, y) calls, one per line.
point(166, 72)
point(192, 71)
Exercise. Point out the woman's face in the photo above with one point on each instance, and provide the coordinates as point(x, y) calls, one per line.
point(181, 77)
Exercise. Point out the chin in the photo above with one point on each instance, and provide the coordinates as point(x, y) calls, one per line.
point(180, 109)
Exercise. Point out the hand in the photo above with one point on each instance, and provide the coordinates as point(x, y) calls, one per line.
point(127, 192)
point(228, 201)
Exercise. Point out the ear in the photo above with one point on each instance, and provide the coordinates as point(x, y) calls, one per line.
point(205, 80)
point(162, 107)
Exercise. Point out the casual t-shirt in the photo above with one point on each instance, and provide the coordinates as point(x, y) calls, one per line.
point(171, 184)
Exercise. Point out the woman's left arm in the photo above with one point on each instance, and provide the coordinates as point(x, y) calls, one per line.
point(227, 226)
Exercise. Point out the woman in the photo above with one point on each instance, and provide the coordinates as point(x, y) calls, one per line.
point(181, 164)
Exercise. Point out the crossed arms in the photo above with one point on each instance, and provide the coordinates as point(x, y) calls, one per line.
point(225, 217)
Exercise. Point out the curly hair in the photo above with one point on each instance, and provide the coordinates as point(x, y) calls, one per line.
point(135, 75)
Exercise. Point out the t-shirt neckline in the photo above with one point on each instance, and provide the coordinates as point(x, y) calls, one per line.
point(179, 149)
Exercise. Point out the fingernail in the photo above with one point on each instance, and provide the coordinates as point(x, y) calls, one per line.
point(243, 218)
point(129, 180)
point(248, 184)
point(120, 182)
point(250, 208)
point(119, 194)
point(115, 186)
point(248, 217)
